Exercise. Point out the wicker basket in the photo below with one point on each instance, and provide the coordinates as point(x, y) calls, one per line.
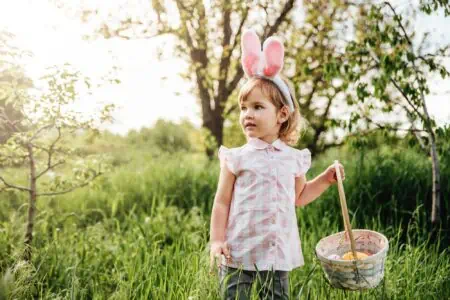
point(354, 274)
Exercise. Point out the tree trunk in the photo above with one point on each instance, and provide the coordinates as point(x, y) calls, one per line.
point(436, 199)
point(436, 189)
point(31, 206)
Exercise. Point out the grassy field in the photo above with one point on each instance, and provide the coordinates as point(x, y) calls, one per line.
point(142, 231)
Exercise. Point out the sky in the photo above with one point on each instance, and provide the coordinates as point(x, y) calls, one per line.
point(150, 88)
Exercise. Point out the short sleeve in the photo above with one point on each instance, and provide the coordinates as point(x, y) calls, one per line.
point(228, 158)
point(303, 159)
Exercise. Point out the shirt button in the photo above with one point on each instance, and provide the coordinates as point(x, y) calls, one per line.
point(273, 244)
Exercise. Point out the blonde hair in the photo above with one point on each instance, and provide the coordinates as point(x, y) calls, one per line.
point(290, 129)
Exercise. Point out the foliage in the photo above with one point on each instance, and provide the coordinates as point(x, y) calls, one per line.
point(52, 124)
point(168, 136)
point(384, 65)
point(12, 78)
point(430, 6)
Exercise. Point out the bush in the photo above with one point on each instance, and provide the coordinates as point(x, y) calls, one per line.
point(168, 137)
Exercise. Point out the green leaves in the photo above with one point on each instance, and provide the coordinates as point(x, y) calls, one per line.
point(361, 91)
point(430, 6)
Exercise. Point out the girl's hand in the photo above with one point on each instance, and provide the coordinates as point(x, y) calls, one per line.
point(330, 174)
point(217, 250)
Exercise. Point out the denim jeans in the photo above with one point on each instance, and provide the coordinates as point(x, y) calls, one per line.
point(238, 283)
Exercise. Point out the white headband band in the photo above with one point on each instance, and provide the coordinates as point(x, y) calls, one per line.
point(283, 88)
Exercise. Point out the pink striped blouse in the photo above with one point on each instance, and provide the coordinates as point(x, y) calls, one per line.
point(262, 225)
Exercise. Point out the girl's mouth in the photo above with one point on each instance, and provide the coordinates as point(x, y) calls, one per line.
point(250, 125)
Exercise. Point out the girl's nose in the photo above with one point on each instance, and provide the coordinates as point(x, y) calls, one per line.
point(249, 114)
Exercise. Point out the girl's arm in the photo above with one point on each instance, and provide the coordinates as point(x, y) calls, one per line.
point(307, 192)
point(221, 206)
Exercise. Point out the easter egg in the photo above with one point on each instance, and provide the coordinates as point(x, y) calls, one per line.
point(334, 256)
point(349, 255)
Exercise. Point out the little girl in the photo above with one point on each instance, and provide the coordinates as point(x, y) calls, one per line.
point(254, 233)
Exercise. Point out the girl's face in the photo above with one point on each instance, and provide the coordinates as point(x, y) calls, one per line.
point(260, 118)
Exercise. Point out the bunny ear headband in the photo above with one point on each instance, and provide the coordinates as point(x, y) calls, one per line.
point(266, 64)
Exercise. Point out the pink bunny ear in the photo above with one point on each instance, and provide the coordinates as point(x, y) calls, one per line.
point(273, 50)
point(251, 52)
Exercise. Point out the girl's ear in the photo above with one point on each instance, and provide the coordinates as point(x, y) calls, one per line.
point(273, 50)
point(283, 114)
point(251, 52)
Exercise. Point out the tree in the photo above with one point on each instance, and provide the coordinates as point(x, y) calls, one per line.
point(40, 140)
point(209, 38)
point(384, 65)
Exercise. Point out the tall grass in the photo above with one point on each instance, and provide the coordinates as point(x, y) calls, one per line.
point(142, 232)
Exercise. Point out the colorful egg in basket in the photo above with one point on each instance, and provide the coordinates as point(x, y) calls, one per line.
point(357, 274)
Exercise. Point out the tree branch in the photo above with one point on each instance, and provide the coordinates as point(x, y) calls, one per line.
point(39, 131)
point(225, 59)
point(71, 189)
point(239, 30)
point(14, 186)
point(382, 126)
point(287, 8)
point(397, 19)
point(372, 53)
point(49, 167)
point(50, 153)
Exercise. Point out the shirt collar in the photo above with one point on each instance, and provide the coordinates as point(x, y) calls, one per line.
point(260, 144)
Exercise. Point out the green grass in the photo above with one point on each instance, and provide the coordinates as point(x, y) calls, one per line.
point(142, 232)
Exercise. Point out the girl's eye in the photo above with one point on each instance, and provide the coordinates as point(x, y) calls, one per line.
point(258, 107)
point(243, 108)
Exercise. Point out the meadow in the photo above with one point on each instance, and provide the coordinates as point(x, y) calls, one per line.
point(141, 231)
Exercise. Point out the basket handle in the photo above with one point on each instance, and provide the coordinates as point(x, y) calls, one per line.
point(347, 225)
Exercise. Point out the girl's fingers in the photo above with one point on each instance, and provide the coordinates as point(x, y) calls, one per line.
point(226, 251)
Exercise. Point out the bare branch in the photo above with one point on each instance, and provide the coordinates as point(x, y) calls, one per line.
point(49, 167)
point(14, 186)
